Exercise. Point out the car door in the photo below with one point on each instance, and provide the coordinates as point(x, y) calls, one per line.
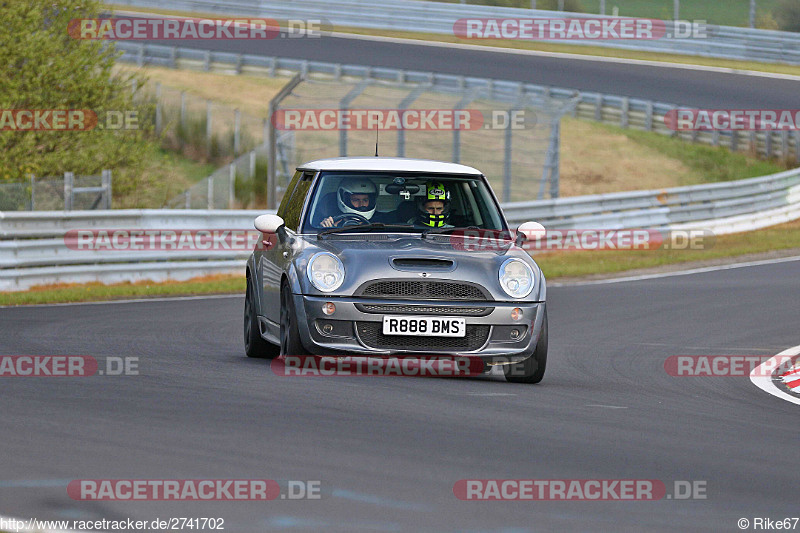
point(276, 259)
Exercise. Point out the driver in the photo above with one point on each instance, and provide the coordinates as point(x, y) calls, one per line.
point(355, 196)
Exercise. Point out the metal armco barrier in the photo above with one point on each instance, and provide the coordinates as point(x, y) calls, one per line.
point(437, 17)
point(33, 249)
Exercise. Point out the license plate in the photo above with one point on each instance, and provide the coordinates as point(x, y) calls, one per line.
point(424, 326)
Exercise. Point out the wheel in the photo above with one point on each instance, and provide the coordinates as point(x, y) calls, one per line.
point(290, 334)
point(350, 219)
point(254, 343)
point(531, 370)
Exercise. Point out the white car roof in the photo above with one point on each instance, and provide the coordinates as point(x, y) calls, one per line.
point(389, 164)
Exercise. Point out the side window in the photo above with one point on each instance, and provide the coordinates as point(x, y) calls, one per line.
point(288, 193)
point(294, 207)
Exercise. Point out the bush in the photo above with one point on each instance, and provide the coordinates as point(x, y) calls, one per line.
point(787, 14)
point(47, 69)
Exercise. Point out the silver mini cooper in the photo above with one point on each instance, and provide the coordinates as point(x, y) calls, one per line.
point(395, 257)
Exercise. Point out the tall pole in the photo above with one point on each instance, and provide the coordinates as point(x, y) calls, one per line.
point(676, 10)
point(752, 13)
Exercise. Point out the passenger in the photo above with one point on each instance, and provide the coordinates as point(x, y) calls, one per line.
point(433, 209)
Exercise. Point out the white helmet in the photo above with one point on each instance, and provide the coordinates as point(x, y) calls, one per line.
point(351, 186)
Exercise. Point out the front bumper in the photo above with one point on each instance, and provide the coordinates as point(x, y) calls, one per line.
point(355, 328)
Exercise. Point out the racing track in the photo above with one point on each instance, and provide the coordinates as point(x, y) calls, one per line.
point(388, 450)
point(703, 89)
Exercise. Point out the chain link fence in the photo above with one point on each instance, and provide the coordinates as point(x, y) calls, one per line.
point(242, 184)
point(512, 137)
point(203, 129)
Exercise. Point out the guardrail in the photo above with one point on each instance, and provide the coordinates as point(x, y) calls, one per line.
point(662, 208)
point(436, 17)
point(620, 111)
point(34, 251)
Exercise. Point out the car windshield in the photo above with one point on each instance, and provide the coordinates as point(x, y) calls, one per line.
point(398, 202)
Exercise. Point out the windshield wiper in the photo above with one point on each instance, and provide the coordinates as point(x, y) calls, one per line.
point(362, 227)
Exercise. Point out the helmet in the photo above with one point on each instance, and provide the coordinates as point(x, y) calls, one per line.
point(350, 186)
point(434, 191)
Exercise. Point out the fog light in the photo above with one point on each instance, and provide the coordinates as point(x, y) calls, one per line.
point(327, 328)
point(514, 333)
point(516, 313)
point(328, 308)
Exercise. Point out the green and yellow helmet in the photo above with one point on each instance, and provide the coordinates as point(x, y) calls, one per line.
point(434, 207)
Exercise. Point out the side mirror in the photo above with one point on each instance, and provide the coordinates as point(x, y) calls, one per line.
point(530, 231)
point(268, 223)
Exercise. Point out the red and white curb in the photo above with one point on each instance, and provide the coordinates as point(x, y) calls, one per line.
point(792, 378)
point(763, 379)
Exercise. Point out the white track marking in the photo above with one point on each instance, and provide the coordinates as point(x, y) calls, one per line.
point(765, 382)
point(676, 273)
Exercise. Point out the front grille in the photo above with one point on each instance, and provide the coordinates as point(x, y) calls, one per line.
point(439, 290)
point(371, 334)
point(423, 309)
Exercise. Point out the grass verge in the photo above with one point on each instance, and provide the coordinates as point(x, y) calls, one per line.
point(576, 264)
point(557, 266)
point(90, 292)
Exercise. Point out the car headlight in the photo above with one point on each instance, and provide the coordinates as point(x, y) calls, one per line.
point(325, 271)
point(516, 278)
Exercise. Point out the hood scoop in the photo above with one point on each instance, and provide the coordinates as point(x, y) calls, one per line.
point(422, 264)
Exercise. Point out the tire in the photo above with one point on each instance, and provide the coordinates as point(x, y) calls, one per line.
point(290, 334)
point(254, 344)
point(531, 370)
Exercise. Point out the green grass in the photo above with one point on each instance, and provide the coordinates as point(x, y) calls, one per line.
point(713, 163)
point(163, 175)
point(722, 12)
point(582, 263)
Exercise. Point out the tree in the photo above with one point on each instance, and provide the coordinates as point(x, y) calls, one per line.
point(47, 69)
point(787, 14)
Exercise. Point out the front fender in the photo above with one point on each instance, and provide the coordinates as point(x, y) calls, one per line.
point(292, 275)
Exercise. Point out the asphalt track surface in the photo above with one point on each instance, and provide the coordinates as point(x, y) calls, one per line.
point(389, 450)
point(698, 88)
